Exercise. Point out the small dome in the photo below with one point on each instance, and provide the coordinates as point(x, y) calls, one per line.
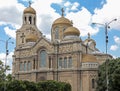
point(72, 31)
point(88, 58)
point(31, 38)
point(62, 20)
point(89, 40)
point(29, 10)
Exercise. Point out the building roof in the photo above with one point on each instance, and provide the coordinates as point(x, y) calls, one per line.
point(29, 10)
point(88, 58)
point(62, 20)
point(72, 31)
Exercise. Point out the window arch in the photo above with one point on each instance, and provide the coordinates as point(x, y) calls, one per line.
point(93, 83)
point(60, 62)
point(65, 62)
point(21, 66)
point(30, 20)
point(56, 33)
point(29, 65)
point(43, 58)
point(70, 62)
point(25, 66)
point(25, 19)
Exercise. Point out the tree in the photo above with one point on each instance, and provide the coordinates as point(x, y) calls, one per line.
point(3, 69)
point(113, 67)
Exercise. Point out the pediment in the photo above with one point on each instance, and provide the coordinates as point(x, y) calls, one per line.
point(43, 43)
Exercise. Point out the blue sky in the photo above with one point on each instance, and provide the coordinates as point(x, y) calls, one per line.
point(81, 12)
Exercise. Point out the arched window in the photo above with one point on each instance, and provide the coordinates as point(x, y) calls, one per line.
point(93, 83)
point(25, 19)
point(70, 62)
point(65, 62)
point(30, 20)
point(60, 63)
point(56, 33)
point(43, 58)
point(25, 66)
point(21, 66)
point(29, 65)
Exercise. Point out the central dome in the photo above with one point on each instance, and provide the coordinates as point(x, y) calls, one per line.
point(62, 20)
point(72, 31)
point(29, 10)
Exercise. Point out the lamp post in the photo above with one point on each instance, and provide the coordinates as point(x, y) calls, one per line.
point(106, 26)
point(6, 54)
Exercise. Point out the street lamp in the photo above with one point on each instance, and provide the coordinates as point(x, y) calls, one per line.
point(7, 52)
point(106, 26)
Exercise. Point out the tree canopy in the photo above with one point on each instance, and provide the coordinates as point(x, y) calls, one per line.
point(3, 70)
point(113, 69)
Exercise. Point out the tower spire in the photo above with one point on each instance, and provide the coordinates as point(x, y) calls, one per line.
point(88, 35)
point(62, 10)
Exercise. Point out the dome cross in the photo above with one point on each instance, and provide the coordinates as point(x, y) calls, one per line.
point(62, 10)
point(30, 3)
point(88, 35)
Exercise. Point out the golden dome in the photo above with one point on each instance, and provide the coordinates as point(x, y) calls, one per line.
point(62, 20)
point(29, 10)
point(72, 31)
point(88, 58)
point(89, 40)
point(31, 38)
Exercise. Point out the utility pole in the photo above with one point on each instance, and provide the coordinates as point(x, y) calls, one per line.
point(106, 26)
point(6, 54)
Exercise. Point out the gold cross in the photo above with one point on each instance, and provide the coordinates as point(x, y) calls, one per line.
point(30, 3)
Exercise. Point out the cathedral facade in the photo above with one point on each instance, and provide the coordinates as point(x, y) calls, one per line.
point(66, 57)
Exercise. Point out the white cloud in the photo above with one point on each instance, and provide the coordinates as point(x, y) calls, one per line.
point(82, 20)
point(114, 47)
point(10, 32)
point(71, 6)
point(11, 12)
point(75, 6)
point(67, 4)
point(117, 44)
point(108, 13)
point(117, 39)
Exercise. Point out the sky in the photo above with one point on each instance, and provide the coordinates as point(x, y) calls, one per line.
point(82, 12)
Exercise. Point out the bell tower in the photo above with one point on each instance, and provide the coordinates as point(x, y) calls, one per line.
point(28, 33)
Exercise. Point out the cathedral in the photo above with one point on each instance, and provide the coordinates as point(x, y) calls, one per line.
point(66, 57)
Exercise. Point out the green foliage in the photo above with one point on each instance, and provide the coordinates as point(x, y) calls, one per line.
point(2, 72)
point(53, 86)
point(50, 85)
point(113, 67)
point(3, 69)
